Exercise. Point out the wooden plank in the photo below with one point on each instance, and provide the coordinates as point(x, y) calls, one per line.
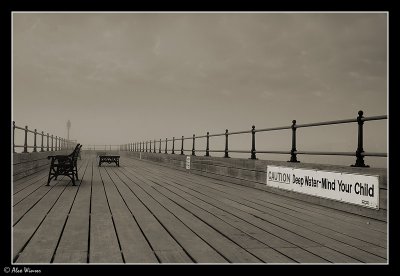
point(378, 238)
point(42, 245)
point(270, 255)
point(302, 256)
point(253, 193)
point(321, 239)
point(303, 205)
point(195, 205)
point(331, 255)
point(28, 224)
point(351, 218)
point(245, 239)
point(269, 227)
point(155, 233)
point(21, 195)
point(20, 208)
point(196, 247)
point(262, 236)
point(73, 245)
point(134, 246)
point(355, 230)
point(301, 221)
point(22, 183)
point(104, 246)
point(51, 206)
point(226, 247)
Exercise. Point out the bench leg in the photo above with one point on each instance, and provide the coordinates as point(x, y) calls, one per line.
point(48, 180)
point(54, 174)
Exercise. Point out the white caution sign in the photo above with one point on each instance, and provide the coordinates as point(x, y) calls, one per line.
point(188, 162)
point(356, 189)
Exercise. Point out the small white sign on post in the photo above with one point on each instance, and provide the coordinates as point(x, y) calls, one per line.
point(188, 162)
point(357, 189)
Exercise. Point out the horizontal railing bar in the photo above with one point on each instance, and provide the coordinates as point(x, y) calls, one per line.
point(214, 135)
point(32, 147)
point(102, 145)
point(372, 118)
point(32, 131)
point(240, 151)
point(273, 128)
point(272, 151)
point(377, 154)
point(326, 153)
point(216, 151)
point(239, 132)
point(22, 128)
point(327, 123)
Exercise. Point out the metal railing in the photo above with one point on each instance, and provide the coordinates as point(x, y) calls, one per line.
point(102, 147)
point(57, 143)
point(145, 146)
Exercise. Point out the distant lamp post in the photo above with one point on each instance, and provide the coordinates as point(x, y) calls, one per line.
point(68, 127)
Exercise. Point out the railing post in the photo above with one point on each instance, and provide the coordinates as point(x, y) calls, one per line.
point(226, 144)
point(56, 148)
point(34, 141)
point(41, 148)
point(154, 150)
point(208, 145)
point(253, 143)
point(193, 150)
point(360, 149)
point(293, 155)
point(166, 140)
point(52, 142)
point(13, 136)
point(26, 140)
point(150, 146)
point(146, 146)
point(182, 146)
point(173, 145)
point(159, 147)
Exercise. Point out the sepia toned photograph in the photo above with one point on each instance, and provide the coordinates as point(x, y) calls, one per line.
point(199, 138)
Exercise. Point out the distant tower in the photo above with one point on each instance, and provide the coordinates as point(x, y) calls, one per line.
point(68, 127)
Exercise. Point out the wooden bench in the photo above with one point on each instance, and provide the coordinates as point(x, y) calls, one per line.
point(64, 165)
point(109, 159)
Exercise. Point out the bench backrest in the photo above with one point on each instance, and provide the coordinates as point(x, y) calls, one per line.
point(76, 150)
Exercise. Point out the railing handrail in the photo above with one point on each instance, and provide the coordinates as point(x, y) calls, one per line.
point(57, 142)
point(359, 153)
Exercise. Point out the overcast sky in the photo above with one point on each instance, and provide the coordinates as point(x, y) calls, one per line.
point(126, 77)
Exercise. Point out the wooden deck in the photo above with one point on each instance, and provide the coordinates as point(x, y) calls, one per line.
point(142, 212)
